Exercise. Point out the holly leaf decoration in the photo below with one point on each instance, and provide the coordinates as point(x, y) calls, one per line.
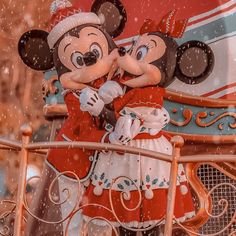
point(148, 178)
point(95, 177)
point(142, 129)
point(127, 182)
point(102, 176)
point(123, 112)
point(154, 181)
point(133, 116)
point(161, 184)
point(120, 186)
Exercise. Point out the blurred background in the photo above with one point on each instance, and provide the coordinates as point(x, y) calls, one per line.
point(21, 99)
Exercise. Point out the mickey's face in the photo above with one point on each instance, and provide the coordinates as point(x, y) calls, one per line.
point(81, 56)
point(148, 49)
point(87, 56)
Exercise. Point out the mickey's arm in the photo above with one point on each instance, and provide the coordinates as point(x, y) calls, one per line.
point(108, 92)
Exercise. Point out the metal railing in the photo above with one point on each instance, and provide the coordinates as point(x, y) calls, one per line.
point(25, 147)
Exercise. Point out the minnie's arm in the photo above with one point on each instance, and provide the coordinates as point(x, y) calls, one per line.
point(109, 91)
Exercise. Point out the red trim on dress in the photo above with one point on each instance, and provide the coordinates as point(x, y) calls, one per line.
point(150, 209)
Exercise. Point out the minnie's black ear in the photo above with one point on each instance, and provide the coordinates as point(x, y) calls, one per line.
point(113, 13)
point(195, 62)
point(34, 50)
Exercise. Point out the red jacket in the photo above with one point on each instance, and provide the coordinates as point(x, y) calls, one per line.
point(79, 126)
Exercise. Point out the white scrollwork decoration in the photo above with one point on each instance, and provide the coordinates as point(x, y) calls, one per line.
point(220, 203)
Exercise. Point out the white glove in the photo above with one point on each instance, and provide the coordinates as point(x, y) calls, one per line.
point(90, 101)
point(109, 91)
point(156, 121)
point(125, 130)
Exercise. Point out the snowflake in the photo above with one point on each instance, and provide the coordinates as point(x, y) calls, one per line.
point(59, 4)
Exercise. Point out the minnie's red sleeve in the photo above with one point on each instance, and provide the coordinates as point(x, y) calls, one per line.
point(140, 97)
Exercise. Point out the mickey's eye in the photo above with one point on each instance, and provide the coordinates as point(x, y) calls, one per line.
point(96, 49)
point(141, 52)
point(77, 59)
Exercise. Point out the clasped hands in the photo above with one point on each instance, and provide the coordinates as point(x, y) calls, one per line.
point(126, 127)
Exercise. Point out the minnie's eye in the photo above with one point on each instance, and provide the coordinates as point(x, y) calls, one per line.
point(96, 49)
point(77, 59)
point(141, 53)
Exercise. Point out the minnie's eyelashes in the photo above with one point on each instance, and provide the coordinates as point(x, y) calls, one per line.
point(134, 42)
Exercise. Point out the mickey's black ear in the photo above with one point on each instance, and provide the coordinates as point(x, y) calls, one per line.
point(113, 14)
point(34, 50)
point(195, 61)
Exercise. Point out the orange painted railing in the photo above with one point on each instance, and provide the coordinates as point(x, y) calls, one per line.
point(25, 147)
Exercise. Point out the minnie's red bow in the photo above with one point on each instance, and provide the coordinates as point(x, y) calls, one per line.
point(168, 25)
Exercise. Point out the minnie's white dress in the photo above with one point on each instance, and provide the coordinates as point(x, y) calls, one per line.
point(150, 176)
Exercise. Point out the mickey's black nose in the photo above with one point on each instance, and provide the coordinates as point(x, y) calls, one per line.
point(90, 58)
point(122, 51)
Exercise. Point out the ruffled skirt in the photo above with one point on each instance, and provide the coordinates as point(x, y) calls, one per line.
point(132, 189)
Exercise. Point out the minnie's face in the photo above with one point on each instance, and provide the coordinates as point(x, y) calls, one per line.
point(86, 55)
point(148, 48)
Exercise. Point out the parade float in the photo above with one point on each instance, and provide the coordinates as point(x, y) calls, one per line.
point(202, 122)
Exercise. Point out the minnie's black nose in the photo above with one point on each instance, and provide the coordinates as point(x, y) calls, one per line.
point(89, 58)
point(122, 51)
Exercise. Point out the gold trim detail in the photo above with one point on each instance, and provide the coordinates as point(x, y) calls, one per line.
point(184, 98)
point(205, 138)
point(203, 115)
point(187, 114)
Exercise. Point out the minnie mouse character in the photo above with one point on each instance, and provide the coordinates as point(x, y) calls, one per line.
point(155, 59)
point(82, 54)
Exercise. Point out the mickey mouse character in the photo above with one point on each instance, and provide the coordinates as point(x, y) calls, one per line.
point(155, 59)
point(82, 53)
